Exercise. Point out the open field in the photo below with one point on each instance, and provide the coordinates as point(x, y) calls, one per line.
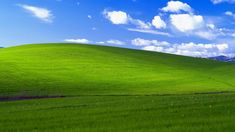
point(101, 88)
point(206, 112)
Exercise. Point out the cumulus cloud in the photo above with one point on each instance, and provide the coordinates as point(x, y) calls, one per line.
point(186, 22)
point(221, 1)
point(176, 7)
point(196, 25)
point(38, 12)
point(183, 19)
point(116, 42)
point(121, 17)
point(83, 41)
point(116, 17)
point(178, 16)
point(158, 23)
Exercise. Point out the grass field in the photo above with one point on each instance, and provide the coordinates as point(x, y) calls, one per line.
point(113, 89)
point(206, 112)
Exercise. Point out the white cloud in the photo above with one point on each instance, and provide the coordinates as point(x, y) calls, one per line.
point(196, 25)
point(116, 42)
point(206, 34)
point(192, 49)
point(140, 24)
point(89, 16)
point(211, 26)
point(116, 17)
point(120, 17)
point(158, 23)
point(112, 41)
point(149, 31)
point(154, 48)
point(177, 6)
point(186, 22)
point(211, 32)
point(145, 42)
point(83, 41)
point(100, 42)
point(221, 1)
point(229, 13)
point(41, 13)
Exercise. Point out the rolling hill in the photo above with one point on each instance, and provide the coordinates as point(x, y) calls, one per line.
point(101, 88)
point(74, 69)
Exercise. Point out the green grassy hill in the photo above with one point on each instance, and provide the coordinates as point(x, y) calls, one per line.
point(113, 89)
point(74, 69)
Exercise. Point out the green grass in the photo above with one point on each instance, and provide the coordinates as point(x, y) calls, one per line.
point(176, 113)
point(113, 89)
point(72, 69)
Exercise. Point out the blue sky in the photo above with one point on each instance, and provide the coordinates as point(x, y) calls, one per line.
point(187, 27)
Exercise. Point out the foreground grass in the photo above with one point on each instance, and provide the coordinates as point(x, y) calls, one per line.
point(202, 112)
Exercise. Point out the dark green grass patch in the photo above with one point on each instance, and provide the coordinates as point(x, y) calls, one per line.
point(206, 112)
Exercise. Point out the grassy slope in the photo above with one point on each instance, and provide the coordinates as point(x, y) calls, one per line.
point(71, 69)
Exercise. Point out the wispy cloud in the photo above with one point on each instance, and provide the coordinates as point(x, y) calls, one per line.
point(116, 42)
point(221, 1)
point(149, 31)
point(41, 13)
point(187, 49)
point(86, 41)
point(229, 13)
point(145, 42)
point(83, 41)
